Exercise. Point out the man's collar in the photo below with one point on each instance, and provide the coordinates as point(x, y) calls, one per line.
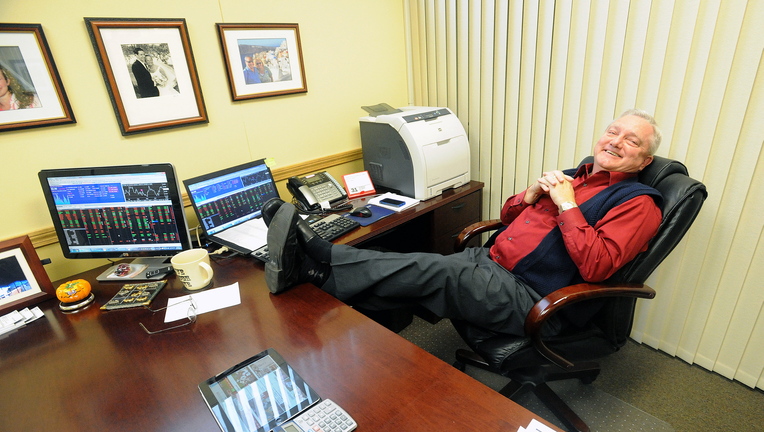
point(615, 177)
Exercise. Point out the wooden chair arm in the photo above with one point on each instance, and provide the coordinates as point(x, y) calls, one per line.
point(473, 230)
point(554, 302)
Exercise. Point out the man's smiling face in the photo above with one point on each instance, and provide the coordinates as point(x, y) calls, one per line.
point(625, 146)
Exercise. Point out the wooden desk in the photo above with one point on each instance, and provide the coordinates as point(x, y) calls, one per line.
point(96, 370)
point(431, 226)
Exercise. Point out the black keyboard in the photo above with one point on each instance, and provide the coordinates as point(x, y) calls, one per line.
point(333, 226)
point(328, 228)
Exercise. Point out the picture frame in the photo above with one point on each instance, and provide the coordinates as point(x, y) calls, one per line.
point(23, 280)
point(149, 71)
point(31, 92)
point(278, 49)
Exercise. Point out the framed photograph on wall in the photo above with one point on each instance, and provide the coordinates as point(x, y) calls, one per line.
point(262, 59)
point(149, 71)
point(23, 280)
point(31, 92)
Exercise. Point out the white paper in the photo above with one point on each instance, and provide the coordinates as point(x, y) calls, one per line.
point(27, 314)
point(11, 321)
point(206, 301)
point(251, 235)
point(408, 202)
point(36, 313)
point(537, 426)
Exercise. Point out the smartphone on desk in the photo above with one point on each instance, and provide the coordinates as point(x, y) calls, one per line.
point(391, 202)
point(314, 189)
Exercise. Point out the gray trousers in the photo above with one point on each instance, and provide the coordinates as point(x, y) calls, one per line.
point(466, 285)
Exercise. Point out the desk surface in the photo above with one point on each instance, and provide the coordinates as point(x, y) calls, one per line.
point(362, 234)
point(96, 370)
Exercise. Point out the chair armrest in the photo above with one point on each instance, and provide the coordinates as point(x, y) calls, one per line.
point(554, 302)
point(469, 232)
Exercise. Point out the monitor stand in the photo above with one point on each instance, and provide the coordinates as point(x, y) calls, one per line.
point(139, 269)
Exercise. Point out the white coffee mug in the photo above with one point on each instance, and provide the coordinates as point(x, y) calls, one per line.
point(193, 268)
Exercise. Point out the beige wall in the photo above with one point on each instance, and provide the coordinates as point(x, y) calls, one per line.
point(354, 55)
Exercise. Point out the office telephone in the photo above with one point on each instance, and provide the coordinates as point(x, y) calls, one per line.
point(315, 189)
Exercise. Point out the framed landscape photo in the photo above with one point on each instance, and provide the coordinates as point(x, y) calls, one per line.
point(149, 70)
point(31, 92)
point(262, 59)
point(23, 280)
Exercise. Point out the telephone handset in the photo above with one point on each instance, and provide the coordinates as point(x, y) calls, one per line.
point(314, 189)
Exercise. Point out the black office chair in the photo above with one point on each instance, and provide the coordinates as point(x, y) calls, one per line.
point(532, 361)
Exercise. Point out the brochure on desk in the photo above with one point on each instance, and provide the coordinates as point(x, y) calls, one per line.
point(408, 202)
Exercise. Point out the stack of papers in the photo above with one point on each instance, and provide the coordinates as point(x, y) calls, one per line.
point(17, 319)
point(407, 202)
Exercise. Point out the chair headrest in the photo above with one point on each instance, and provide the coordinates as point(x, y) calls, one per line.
point(659, 169)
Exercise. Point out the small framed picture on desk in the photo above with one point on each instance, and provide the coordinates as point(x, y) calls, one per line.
point(23, 280)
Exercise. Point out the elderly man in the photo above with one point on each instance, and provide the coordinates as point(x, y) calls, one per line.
point(567, 227)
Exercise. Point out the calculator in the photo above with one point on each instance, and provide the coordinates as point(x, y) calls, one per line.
point(325, 416)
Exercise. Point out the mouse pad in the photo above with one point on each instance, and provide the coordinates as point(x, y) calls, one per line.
point(377, 213)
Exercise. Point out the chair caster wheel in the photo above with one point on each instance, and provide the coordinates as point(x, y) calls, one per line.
point(459, 365)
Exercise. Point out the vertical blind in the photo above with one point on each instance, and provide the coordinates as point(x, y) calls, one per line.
point(535, 83)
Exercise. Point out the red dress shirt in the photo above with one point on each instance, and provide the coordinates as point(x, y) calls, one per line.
point(597, 251)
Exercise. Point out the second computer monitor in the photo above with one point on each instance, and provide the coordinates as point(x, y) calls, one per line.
point(232, 196)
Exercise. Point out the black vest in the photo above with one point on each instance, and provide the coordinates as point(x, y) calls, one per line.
point(549, 267)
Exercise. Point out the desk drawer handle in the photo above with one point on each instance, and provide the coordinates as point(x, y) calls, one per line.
point(458, 206)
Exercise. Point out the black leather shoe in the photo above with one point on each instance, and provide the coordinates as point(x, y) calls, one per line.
point(313, 245)
point(304, 232)
point(286, 255)
point(270, 208)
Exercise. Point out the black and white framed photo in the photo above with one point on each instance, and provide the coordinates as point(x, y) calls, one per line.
point(149, 71)
point(262, 59)
point(31, 92)
point(23, 280)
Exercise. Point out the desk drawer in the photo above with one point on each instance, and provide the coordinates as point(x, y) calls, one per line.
point(449, 220)
point(456, 215)
point(444, 242)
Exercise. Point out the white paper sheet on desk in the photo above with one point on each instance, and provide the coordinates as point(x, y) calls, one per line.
point(536, 426)
point(207, 301)
point(252, 234)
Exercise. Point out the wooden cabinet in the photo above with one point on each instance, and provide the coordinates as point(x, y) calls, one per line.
point(430, 226)
point(449, 220)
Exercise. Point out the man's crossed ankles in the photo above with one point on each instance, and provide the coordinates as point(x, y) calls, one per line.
point(297, 254)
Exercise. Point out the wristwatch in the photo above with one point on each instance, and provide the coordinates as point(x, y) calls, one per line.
point(567, 205)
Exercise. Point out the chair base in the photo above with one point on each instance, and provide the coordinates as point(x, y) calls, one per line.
point(522, 383)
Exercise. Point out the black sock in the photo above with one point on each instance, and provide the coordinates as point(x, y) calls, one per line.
point(314, 272)
point(319, 249)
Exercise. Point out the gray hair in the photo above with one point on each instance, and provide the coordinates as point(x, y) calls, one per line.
point(655, 140)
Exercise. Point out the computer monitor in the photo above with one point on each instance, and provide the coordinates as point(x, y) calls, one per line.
point(231, 196)
point(118, 212)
